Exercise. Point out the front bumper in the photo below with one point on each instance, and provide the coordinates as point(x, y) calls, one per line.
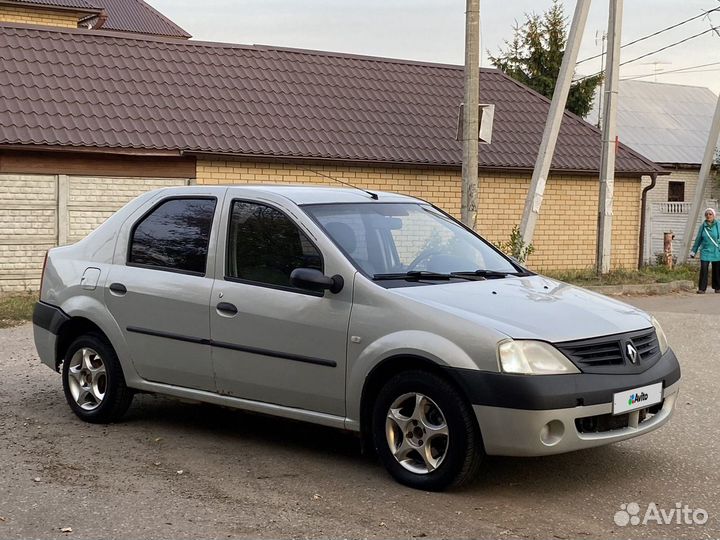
point(543, 415)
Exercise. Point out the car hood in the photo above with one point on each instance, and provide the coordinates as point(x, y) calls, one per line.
point(532, 307)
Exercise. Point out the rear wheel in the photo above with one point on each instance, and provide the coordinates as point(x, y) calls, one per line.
point(93, 380)
point(424, 432)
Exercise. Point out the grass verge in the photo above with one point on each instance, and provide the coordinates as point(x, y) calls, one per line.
point(17, 309)
point(647, 274)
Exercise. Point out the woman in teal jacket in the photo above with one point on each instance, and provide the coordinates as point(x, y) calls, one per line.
point(708, 242)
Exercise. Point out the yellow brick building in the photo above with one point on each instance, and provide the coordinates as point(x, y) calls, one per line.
point(33, 15)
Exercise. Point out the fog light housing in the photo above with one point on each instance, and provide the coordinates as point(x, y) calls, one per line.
point(552, 433)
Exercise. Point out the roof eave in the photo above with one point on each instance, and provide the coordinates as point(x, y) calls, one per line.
point(308, 159)
point(408, 164)
point(89, 11)
point(91, 150)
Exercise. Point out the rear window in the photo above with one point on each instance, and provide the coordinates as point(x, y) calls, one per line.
point(174, 236)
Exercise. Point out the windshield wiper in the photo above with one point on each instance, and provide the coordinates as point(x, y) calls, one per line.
point(490, 274)
point(415, 275)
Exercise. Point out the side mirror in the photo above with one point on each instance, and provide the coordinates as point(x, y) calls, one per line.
point(315, 280)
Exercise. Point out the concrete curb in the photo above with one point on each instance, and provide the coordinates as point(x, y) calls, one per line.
point(644, 289)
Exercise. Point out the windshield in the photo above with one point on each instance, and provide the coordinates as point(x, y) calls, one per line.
point(397, 238)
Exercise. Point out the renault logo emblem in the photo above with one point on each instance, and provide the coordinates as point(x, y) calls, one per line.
point(632, 353)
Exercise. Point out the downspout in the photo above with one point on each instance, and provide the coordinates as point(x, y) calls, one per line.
point(101, 20)
point(643, 212)
point(94, 22)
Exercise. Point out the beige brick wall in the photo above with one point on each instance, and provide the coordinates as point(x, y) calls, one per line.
point(442, 187)
point(92, 200)
point(28, 228)
point(44, 17)
point(564, 238)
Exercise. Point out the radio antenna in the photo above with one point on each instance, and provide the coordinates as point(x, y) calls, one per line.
point(373, 196)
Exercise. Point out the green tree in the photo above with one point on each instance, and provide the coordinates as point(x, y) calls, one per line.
point(534, 54)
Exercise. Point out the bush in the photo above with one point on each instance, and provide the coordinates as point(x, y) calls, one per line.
point(516, 246)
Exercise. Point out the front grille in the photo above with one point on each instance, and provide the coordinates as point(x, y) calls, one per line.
point(609, 354)
point(603, 423)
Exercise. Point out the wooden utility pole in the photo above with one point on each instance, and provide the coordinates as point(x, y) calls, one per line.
point(468, 203)
point(705, 170)
point(534, 198)
point(609, 139)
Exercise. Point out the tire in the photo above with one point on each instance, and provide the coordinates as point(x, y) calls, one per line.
point(454, 457)
point(93, 381)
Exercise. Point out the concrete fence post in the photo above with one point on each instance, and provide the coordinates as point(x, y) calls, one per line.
point(63, 212)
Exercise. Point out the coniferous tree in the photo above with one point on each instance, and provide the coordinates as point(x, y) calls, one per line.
point(534, 55)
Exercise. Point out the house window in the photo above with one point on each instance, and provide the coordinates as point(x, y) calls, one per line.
point(676, 191)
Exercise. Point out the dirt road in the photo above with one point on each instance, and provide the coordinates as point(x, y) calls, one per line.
point(181, 470)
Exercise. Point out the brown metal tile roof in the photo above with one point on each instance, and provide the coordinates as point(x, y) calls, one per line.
point(71, 4)
point(75, 88)
point(138, 17)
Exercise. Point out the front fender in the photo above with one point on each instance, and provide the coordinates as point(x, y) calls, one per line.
point(432, 347)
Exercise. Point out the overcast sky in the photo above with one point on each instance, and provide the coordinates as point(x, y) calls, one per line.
point(433, 30)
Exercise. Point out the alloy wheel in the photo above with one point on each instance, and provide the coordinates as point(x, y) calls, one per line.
point(417, 433)
point(87, 378)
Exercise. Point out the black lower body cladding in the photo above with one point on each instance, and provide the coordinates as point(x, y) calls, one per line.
point(49, 317)
point(543, 392)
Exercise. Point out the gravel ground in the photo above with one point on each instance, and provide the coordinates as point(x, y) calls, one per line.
point(181, 470)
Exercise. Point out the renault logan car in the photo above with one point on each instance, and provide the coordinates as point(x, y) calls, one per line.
point(376, 313)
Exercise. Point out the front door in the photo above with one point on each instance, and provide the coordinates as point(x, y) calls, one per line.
point(273, 342)
point(160, 296)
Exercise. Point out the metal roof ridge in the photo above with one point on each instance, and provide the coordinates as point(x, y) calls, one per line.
point(370, 57)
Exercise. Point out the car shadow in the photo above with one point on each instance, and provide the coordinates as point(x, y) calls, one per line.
point(247, 427)
point(612, 465)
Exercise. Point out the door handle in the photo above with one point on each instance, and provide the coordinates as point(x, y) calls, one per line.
point(226, 308)
point(118, 289)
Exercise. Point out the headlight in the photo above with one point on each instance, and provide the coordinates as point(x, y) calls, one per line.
point(662, 338)
point(533, 358)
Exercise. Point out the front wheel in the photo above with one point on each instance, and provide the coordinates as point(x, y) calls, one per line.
point(93, 380)
point(424, 432)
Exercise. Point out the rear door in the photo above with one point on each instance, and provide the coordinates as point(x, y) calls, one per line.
point(159, 289)
point(273, 342)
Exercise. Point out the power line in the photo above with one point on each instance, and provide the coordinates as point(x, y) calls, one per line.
point(713, 29)
point(711, 70)
point(669, 46)
point(679, 70)
point(703, 14)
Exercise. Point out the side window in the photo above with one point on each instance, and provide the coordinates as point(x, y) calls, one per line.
point(265, 246)
point(174, 236)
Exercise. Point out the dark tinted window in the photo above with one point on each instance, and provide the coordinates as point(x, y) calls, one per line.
point(175, 236)
point(265, 246)
point(676, 191)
